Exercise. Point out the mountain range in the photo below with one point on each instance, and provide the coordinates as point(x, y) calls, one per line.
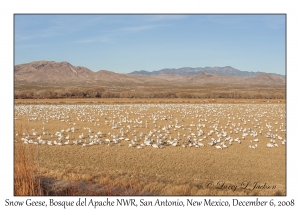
point(63, 73)
point(225, 71)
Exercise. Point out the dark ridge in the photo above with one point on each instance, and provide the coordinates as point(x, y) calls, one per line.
point(225, 71)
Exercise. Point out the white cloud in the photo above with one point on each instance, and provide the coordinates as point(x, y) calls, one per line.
point(104, 39)
point(139, 28)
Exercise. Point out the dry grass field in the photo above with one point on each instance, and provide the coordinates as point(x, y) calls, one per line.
point(147, 101)
point(150, 147)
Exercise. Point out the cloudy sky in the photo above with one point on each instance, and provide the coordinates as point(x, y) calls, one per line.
point(126, 43)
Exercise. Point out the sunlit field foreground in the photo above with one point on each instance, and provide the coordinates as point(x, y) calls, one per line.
point(151, 149)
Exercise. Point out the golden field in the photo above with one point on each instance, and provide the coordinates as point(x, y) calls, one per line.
point(244, 166)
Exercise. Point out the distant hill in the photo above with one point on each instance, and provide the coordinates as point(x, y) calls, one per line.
point(63, 74)
point(225, 71)
point(52, 73)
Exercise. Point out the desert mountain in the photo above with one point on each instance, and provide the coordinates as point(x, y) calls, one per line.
point(266, 79)
point(104, 76)
point(64, 73)
point(225, 71)
point(45, 72)
point(206, 78)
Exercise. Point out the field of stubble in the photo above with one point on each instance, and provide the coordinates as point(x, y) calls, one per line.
point(158, 149)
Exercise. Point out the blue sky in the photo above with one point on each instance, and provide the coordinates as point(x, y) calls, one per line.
point(126, 43)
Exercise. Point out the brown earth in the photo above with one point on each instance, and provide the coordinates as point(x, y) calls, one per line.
point(167, 171)
point(147, 101)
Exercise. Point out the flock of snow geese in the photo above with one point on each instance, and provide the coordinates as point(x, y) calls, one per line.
point(152, 125)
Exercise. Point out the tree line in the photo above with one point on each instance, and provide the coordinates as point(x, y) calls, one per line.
point(101, 92)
